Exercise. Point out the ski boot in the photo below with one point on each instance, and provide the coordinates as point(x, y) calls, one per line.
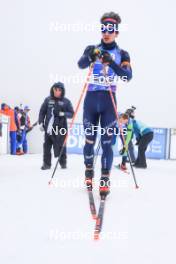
point(45, 166)
point(123, 167)
point(104, 183)
point(63, 166)
point(140, 166)
point(19, 152)
point(89, 174)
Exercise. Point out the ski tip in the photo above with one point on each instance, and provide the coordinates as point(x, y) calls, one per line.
point(137, 187)
point(96, 236)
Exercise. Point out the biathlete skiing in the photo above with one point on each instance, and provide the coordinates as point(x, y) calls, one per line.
point(109, 62)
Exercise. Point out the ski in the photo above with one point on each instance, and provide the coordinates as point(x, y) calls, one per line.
point(99, 221)
point(92, 204)
point(118, 167)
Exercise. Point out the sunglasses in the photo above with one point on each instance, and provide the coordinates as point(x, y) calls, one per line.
point(108, 28)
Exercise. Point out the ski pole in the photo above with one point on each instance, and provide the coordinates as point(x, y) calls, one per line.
point(123, 138)
point(73, 119)
point(119, 125)
point(29, 129)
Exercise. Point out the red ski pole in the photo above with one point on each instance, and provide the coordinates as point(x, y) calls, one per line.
point(73, 119)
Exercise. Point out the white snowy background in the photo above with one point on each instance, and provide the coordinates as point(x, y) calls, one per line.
point(39, 224)
point(33, 53)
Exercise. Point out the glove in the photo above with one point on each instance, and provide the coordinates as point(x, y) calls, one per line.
point(91, 52)
point(123, 150)
point(41, 127)
point(106, 57)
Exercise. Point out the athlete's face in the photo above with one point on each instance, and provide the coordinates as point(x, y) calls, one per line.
point(109, 33)
point(108, 38)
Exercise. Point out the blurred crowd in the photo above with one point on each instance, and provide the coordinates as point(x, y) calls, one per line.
point(19, 126)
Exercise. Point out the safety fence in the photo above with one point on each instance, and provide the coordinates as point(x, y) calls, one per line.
point(163, 145)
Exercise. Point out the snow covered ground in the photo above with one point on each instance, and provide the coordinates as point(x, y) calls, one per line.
point(42, 224)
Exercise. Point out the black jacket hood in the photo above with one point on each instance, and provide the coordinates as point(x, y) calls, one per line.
point(58, 85)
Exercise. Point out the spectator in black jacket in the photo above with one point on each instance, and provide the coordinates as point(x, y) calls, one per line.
point(53, 115)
